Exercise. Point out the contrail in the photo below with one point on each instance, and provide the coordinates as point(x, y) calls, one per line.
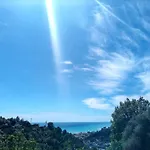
point(112, 14)
point(136, 31)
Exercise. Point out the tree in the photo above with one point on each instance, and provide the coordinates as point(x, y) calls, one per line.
point(50, 126)
point(137, 133)
point(122, 115)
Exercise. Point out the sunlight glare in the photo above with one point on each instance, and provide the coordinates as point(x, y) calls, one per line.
point(54, 35)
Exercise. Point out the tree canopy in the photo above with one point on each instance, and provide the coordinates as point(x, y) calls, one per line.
point(121, 117)
point(124, 112)
point(136, 135)
point(17, 134)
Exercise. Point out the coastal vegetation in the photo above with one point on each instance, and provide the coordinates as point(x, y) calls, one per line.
point(97, 140)
point(17, 134)
point(130, 129)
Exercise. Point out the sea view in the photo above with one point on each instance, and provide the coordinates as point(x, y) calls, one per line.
point(76, 127)
point(68, 67)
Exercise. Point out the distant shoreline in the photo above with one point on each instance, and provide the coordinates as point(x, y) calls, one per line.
point(96, 139)
point(79, 127)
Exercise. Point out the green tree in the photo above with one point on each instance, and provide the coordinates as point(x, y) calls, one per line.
point(137, 133)
point(122, 115)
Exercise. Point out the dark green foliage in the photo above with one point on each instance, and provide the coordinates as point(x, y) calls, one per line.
point(17, 141)
point(124, 113)
point(121, 117)
point(137, 133)
point(115, 145)
point(102, 135)
point(16, 134)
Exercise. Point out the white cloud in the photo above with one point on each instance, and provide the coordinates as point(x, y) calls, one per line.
point(121, 98)
point(145, 78)
point(141, 34)
point(86, 69)
point(67, 71)
point(105, 27)
point(113, 64)
point(144, 73)
point(83, 68)
point(112, 71)
point(96, 103)
point(98, 18)
point(105, 86)
point(146, 25)
point(128, 39)
point(102, 104)
point(67, 62)
point(117, 99)
point(95, 51)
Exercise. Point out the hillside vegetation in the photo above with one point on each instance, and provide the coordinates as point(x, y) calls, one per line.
point(130, 130)
point(17, 134)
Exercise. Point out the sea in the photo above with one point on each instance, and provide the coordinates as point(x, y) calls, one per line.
point(77, 127)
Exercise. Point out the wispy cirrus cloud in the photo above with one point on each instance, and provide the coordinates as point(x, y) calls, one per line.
point(143, 74)
point(121, 98)
point(83, 68)
point(110, 41)
point(97, 103)
point(111, 71)
point(110, 16)
point(141, 71)
point(67, 62)
point(145, 79)
point(146, 24)
point(120, 51)
point(114, 27)
point(86, 69)
point(97, 52)
point(110, 103)
point(68, 68)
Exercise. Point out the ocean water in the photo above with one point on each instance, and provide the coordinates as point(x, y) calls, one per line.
point(76, 127)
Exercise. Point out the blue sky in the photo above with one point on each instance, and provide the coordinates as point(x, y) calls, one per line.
point(72, 61)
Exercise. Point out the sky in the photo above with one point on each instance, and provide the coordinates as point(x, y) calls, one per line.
point(72, 61)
